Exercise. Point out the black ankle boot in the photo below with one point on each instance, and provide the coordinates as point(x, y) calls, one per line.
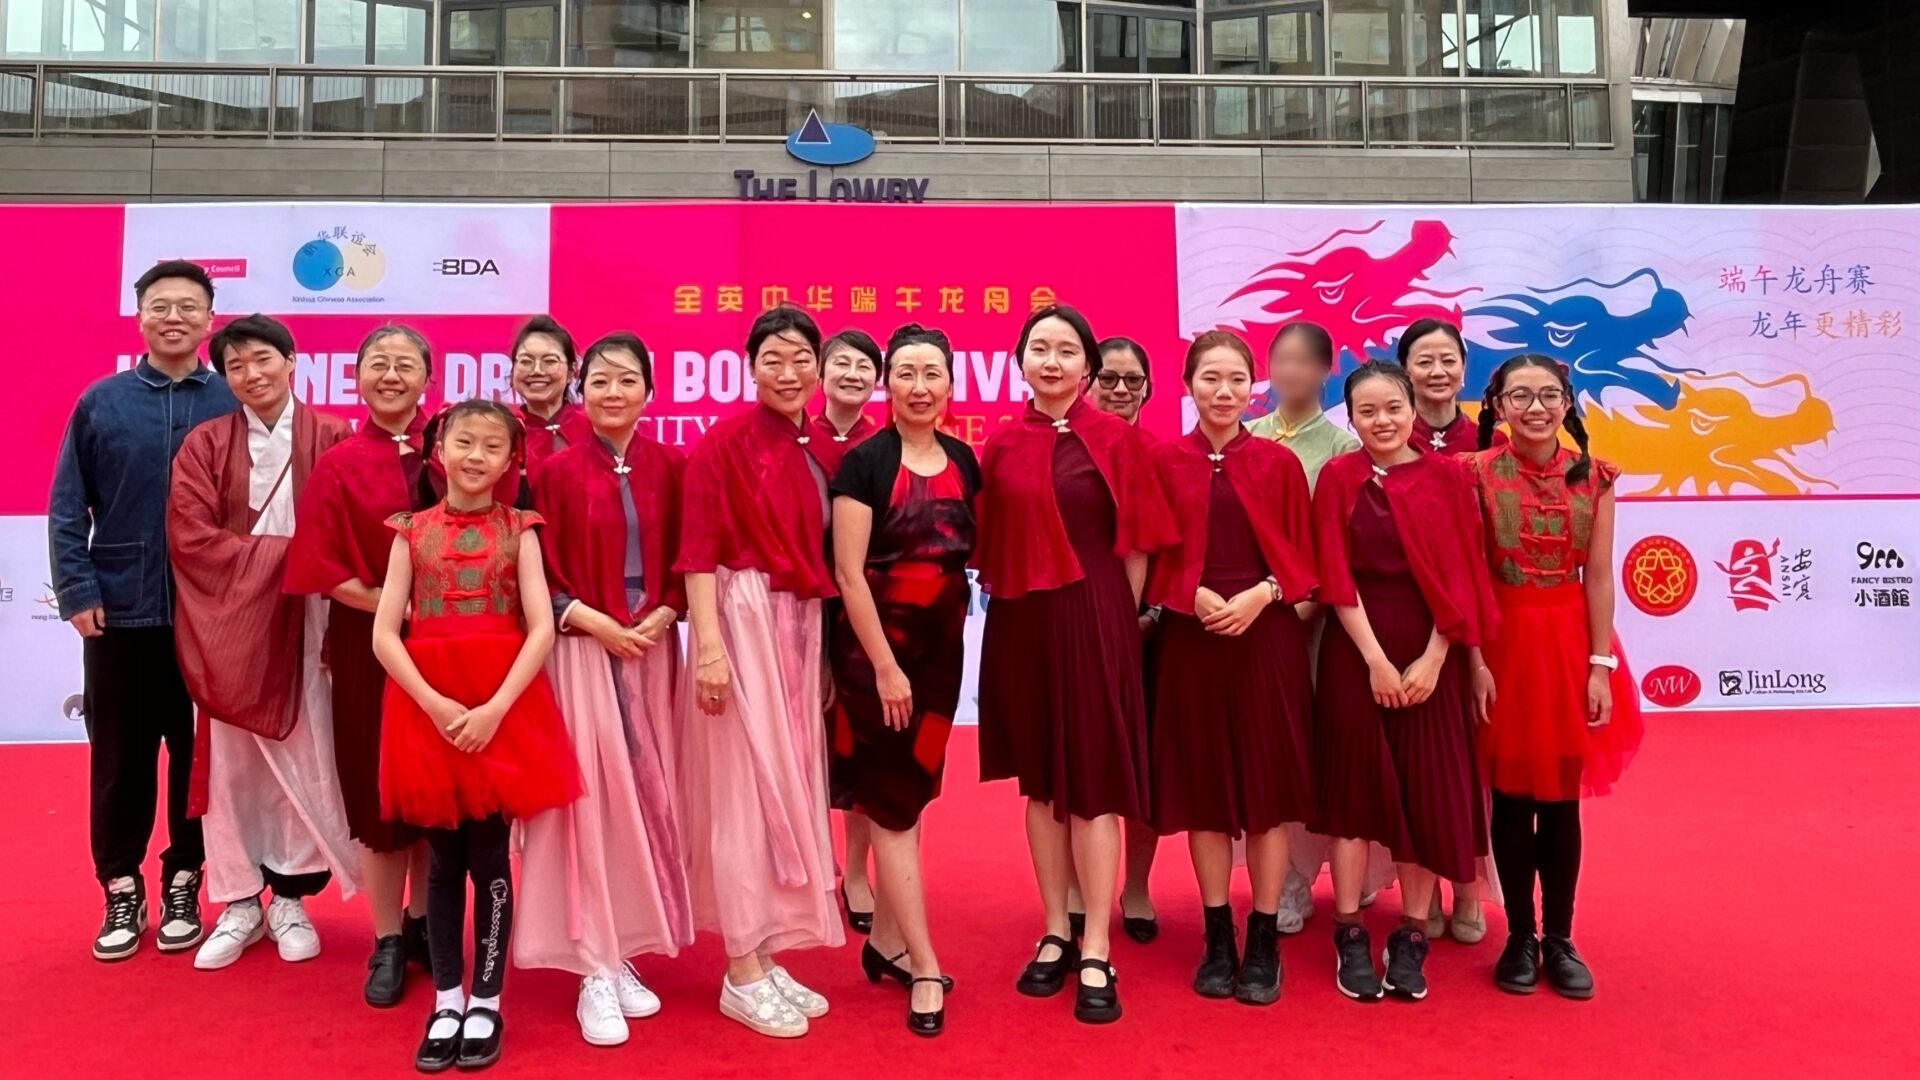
point(1260, 973)
point(1214, 978)
point(386, 973)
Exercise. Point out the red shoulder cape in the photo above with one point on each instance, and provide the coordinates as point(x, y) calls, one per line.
point(569, 422)
point(751, 503)
point(1272, 486)
point(829, 447)
point(578, 493)
point(340, 529)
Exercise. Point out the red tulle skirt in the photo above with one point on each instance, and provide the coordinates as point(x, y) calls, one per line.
point(1538, 743)
point(527, 767)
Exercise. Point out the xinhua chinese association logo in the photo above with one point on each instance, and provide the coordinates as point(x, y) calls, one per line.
point(339, 256)
point(1659, 575)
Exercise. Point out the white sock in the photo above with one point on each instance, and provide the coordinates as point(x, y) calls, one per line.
point(479, 1027)
point(443, 1001)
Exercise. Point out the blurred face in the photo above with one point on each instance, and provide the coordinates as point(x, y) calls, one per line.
point(1533, 404)
point(848, 376)
point(785, 371)
point(1220, 386)
point(615, 392)
point(1054, 362)
point(1297, 375)
point(1381, 415)
point(540, 373)
point(919, 385)
point(175, 317)
point(476, 451)
point(1121, 386)
point(392, 376)
point(260, 375)
point(1437, 368)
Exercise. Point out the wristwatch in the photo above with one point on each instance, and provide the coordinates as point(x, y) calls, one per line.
point(1611, 663)
point(1275, 586)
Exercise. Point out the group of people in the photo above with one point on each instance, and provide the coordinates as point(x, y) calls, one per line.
point(386, 654)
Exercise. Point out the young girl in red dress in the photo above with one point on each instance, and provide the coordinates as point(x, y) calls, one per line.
point(1563, 714)
point(471, 736)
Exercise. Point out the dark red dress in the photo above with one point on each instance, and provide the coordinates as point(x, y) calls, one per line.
point(1232, 714)
point(1408, 778)
point(340, 535)
point(1455, 440)
point(917, 570)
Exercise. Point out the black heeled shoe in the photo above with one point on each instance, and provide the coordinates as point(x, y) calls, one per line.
point(861, 922)
point(480, 1053)
point(1097, 1004)
point(1045, 978)
point(438, 1055)
point(927, 1024)
point(880, 967)
point(386, 973)
point(1141, 930)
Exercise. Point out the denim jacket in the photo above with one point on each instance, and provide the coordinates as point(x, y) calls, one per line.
point(107, 513)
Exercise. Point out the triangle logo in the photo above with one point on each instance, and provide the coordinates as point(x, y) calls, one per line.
point(813, 131)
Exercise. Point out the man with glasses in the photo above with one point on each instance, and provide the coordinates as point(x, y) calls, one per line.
point(106, 524)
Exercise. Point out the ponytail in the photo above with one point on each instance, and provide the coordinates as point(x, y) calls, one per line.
point(1582, 466)
point(1488, 418)
point(425, 492)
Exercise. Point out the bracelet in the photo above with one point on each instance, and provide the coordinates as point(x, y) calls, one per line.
point(716, 660)
point(1611, 663)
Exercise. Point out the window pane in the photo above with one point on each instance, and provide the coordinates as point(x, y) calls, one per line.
point(1577, 28)
point(896, 35)
point(340, 32)
point(762, 34)
point(1293, 43)
point(1022, 35)
point(1394, 37)
point(529, 33)
point(230, 31)
point(1233, 46)
point(73, 30)
point(399, 35)
point(473, 37)
point(1503, 37)
point(628, 33)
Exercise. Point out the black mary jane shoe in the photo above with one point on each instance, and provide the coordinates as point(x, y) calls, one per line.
point(386, 972)
point(1077, 924)
point(927, 1024)
point(1097, 1004)
point(879, 967)
point(1045, 978)
point(438, 1055)
point(480, 1053)
point(861, 922)
point(1141, 930)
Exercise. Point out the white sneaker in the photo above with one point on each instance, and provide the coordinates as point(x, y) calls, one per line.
point(599, 1012)
point(240, 925)
point(1296, 904)
point(761, 1007)
point(636, 1001)
point(811, 1005)
point(289, 927)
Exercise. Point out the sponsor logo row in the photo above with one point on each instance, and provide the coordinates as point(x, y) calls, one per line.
point(1661, 576)
point(1672, 686)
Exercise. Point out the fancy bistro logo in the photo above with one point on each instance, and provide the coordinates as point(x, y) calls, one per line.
point(1659, 575)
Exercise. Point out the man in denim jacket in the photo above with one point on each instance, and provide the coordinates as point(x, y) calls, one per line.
point(106, 524)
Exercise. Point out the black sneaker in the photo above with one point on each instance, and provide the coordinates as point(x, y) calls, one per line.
point(1518, 970)
point(180, 927)
point(1354, 973)
point(1221, 960)
point(1405, 959)
point(413, 932)
point(1260, 973)
point(126, 920)
point(1565, 971)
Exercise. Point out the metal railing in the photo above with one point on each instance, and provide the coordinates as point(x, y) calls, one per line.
point(703, 106)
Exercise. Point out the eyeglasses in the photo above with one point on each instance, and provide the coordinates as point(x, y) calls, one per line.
point(1522, 398)
point(530, 362)
point(1110, 379)
point(187, 309)
point(381, 367)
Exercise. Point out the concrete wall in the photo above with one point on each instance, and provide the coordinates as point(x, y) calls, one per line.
point(142, 169)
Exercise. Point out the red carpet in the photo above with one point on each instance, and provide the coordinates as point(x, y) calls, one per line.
point(1739, 906)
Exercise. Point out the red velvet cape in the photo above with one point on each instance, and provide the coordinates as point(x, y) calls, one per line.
point(751, 503)
point(1272, 486)
point(829, 447)
point(1434, 504)
point(585, 540)
point(1022, 542)
point(569, 422)
point(340, 531)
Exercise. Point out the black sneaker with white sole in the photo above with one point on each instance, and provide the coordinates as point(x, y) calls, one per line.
point(180, 927)
point(1354, 973)
point(1405, 959)
point(126, 920)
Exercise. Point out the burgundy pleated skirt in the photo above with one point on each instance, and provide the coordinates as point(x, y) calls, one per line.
point(1061, 706)
point(359, 684)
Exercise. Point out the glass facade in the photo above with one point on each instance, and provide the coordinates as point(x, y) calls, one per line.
point(1680, 151)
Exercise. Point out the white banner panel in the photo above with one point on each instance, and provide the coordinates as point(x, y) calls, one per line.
point(350, 258)
point(43, 653)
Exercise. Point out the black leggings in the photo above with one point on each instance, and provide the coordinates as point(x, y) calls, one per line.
point(1532, 839)
point(477, 850)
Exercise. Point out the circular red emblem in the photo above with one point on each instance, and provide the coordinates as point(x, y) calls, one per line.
point(1659, 575)
point(1670, 686)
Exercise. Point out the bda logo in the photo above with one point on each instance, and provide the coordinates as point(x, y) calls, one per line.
point(1670, 686)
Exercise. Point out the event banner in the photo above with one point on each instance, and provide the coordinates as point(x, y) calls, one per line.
point(1742, 365)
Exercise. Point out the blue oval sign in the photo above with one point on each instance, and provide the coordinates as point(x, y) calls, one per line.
point(821, 143)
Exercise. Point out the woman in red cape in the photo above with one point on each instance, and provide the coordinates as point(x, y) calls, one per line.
point(1564, 711)
point(1069, 510)
point(543, 370)
point(1398, 542)
point(1234, 700)
point(340, 546)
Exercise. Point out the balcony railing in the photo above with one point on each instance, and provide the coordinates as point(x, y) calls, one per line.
point(544, 104)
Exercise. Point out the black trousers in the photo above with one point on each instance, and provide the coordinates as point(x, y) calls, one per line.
point(295, 886)
point(475, 851)
point(1535, 840)
point(136, 700)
